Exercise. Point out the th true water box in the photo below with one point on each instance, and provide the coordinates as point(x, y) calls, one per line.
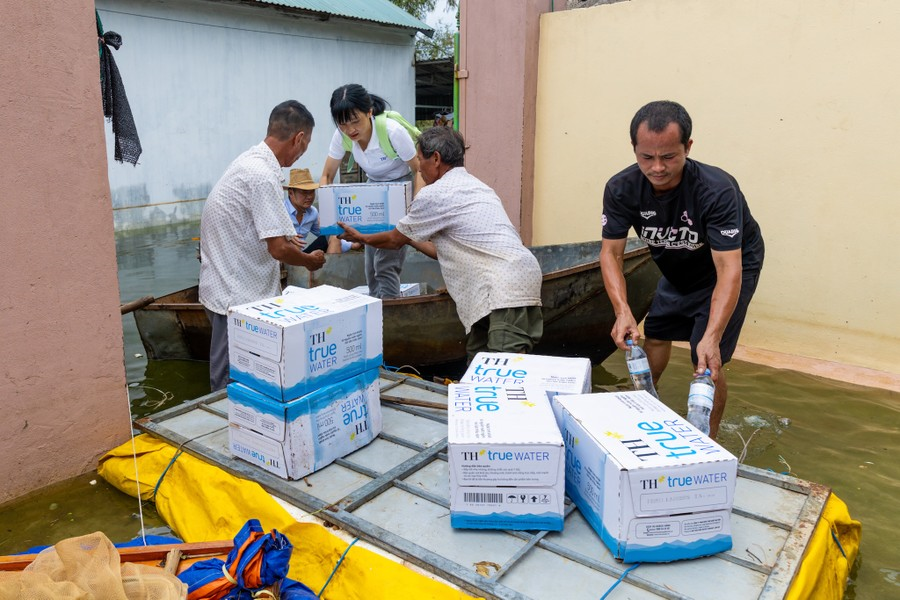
point(367, 207)
point(293, 439)
point(506, 459)
point(555, 374)
point(651, 485)
point(295, 343)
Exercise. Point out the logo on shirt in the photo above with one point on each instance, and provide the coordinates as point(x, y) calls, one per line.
point(671, 238)
point(686, 219)
point(646, 214)
point(604, 219)
point(730, 232)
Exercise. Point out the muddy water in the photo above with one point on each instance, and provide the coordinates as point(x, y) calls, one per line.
point(846, 437)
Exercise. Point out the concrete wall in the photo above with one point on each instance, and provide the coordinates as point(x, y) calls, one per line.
point(795, 98)
point(202, 78)
point(62, 380)
point(497, 91)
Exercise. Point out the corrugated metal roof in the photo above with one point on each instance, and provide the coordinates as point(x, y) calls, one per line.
point(377, 11)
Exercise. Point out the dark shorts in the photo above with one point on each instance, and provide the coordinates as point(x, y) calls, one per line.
point(506, 330)
point(681, 317)
point(320, 243)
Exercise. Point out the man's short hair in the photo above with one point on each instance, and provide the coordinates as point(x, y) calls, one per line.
point(445, 141)
point(658, 115)
point(288, 119)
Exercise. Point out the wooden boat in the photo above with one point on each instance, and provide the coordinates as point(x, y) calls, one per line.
point(425, 329)
point(175, 558)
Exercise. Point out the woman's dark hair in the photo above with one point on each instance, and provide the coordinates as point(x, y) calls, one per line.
point(348, 99)
point(445, 141)
point(658, 115)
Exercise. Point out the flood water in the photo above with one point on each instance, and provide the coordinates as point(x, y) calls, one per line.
point(842, 436)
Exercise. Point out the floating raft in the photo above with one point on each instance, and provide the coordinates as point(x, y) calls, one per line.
point(394, 493)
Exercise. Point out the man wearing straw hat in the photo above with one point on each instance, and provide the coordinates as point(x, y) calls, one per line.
point(245, 231)
point(301, 191)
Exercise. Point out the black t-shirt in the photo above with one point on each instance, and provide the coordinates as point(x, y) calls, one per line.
point(707, 211)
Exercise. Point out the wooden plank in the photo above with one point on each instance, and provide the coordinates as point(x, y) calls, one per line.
point(139, 554)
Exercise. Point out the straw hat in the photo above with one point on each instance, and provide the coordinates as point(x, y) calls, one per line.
point(301, 179)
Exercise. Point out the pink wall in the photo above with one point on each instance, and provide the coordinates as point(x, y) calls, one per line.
point(498, 93)
point(62, 389)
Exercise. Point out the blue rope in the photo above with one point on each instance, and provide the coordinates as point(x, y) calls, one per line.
point(838, 542)
point(619, 580)
point(166, 470)
point(333, 571)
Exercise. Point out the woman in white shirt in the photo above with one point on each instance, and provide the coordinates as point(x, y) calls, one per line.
point(353, 110)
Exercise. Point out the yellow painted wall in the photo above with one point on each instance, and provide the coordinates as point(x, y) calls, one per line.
point(798, 99)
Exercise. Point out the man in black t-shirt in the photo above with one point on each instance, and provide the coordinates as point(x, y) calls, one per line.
point(701, 235)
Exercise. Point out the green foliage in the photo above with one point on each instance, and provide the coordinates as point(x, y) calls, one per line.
point(420, 8)
point(441, 44)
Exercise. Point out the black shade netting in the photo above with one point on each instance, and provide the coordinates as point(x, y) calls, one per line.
point(115, 102)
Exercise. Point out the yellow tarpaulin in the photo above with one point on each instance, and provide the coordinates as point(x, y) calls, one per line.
point(829, 556)
point(201, 502)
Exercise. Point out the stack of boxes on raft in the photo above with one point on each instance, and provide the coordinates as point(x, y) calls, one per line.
point(305, 388)
point(524, 431)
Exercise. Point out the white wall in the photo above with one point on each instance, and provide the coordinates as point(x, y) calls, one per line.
point(798, 99)
point(202, 77)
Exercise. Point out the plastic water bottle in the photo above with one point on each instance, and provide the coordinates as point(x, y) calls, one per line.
point(700, 401)
point(639, 368)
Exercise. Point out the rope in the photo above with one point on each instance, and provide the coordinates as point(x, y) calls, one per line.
point(178, 452)
point(838, 542)
point(619, 580)
point(137, 478)
point(166, 470)
point(340, 560)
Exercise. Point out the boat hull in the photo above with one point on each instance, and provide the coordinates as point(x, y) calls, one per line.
point(425, 330)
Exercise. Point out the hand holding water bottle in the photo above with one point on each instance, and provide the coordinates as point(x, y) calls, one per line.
point(639, 367)
point(700, 401)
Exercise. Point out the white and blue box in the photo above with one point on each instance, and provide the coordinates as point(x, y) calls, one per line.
point(506, 459)
point(367, 207)
point(651, 485)
point(293, 439)
point(293, 344)
point(554, 374)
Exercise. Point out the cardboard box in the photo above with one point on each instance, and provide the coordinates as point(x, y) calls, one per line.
point(503, 443)
point(293, 344)
point(406, 289)
point(554, 374)
point(651, 485)
point(293, 439)
point(367, 207)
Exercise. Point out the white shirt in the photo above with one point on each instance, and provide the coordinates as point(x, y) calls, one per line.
point(373, 161)
point(243, 209)
point(483, 261)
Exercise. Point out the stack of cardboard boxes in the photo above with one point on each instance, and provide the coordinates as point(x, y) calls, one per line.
point(523, 428)
point(305, 370)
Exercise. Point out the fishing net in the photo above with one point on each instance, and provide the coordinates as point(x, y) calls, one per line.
point(88, 568)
